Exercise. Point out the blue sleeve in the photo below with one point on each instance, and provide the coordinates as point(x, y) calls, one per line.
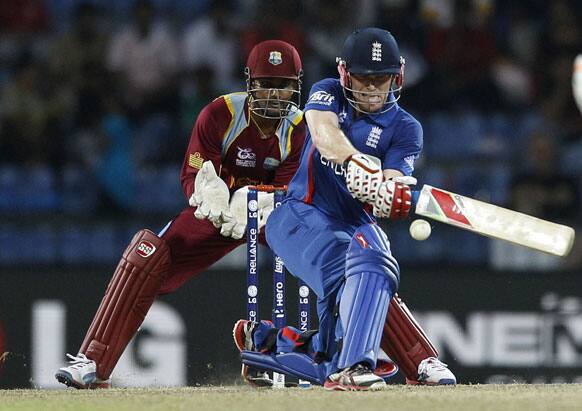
point(406, 145)
point(324, 96)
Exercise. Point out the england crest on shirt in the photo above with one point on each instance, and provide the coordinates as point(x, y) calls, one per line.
point(374, 137)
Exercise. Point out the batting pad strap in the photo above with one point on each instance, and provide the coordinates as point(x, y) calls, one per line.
point(404, 340)
point(129, 296)
point(295, 364)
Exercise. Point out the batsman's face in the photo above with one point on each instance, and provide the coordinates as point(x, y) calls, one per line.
point(371, 91)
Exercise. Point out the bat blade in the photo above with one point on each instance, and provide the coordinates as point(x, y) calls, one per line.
point(494, 221)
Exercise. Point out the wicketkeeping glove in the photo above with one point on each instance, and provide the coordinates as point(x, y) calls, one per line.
point(237, 226)
point(210, 196)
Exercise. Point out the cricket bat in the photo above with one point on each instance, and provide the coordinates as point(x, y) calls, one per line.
point(493, 221)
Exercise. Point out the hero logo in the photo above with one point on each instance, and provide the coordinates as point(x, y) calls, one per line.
point(145, 249)
point(321, 97)
point(246, 157)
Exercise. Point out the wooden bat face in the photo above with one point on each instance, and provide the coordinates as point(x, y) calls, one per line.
point(494, 221)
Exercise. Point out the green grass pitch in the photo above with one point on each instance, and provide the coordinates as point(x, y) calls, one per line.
point(234, 398)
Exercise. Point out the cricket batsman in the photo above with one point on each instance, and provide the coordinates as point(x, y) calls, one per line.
point(356, 165)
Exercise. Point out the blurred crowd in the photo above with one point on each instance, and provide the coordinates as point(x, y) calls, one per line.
point(99, 97)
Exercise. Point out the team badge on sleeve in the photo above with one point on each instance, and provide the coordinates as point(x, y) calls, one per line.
point(195, 160)
point(275, 58)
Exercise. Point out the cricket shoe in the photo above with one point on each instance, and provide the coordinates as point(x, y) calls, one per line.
point(358, 377)
point(81, 374)
point(432, 371)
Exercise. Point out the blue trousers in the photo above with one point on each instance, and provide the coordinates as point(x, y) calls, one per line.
point(313, 247)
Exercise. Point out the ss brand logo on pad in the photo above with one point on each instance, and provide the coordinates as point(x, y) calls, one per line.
point(145, 248)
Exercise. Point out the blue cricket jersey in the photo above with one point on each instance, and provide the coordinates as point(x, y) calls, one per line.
point(395, 137)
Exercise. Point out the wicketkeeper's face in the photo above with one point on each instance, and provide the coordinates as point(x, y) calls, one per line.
point(371, 91)
point(272, 97)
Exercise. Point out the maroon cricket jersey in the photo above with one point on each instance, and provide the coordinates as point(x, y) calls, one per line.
point(225, 135)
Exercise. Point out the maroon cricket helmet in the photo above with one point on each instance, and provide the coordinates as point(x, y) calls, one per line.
point(274, 58)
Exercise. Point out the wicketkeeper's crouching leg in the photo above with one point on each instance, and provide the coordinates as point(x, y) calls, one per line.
point(406, 343)
point(129, 296)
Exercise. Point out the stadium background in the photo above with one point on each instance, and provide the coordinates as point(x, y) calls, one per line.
point(91, 143)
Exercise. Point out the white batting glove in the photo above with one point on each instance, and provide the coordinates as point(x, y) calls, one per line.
point(236, 227)
point(210, 196)
point(364, 176)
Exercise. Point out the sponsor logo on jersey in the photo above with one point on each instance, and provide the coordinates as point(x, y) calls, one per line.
point(275, 58)
point(321, 97)
point(342, 116)
point(145, 248)
point(376, 51)
point(246, 157)
point(271, 163)
point(195, 160)
point(374, 137)
point(337, 169)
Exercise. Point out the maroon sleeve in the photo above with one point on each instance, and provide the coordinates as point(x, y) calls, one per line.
point(205, 142)
point(287, 170)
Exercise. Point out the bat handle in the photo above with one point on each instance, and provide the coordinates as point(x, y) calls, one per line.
point(415, 194)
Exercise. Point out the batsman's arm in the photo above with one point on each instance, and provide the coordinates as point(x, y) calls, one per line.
point(327, 137)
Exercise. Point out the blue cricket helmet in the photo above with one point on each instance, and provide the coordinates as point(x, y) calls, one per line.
point(371, 51)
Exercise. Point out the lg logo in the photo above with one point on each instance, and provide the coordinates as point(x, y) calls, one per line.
point(157, 353)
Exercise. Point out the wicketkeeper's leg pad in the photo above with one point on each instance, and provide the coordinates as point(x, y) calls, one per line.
point(129, 296)
point(404, 340)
